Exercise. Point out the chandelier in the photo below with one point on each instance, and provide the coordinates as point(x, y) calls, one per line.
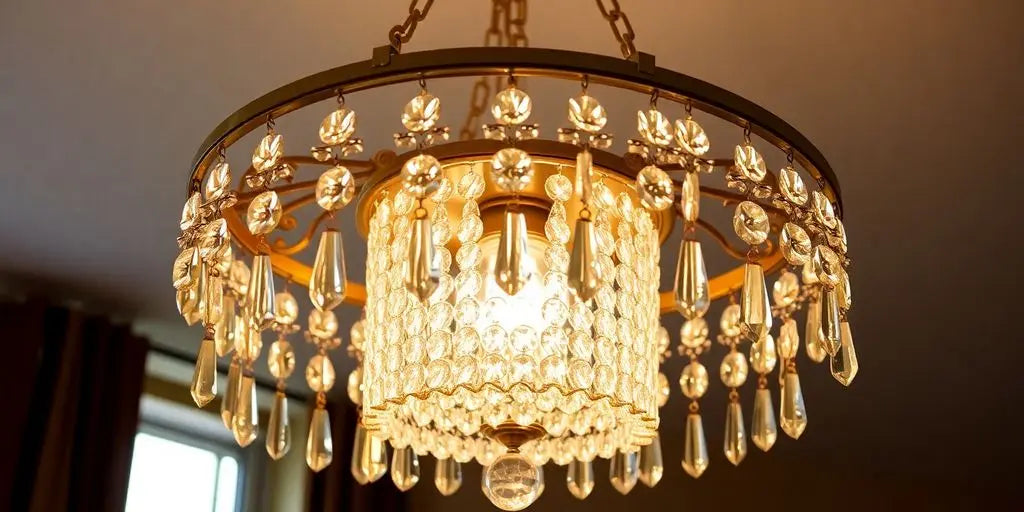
point(511, 302)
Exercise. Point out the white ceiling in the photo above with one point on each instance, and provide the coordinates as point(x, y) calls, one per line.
point(916, 105)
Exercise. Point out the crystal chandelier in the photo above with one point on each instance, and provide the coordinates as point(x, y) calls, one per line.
point(511, 300)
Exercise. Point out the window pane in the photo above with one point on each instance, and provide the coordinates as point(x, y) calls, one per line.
point(227, 484)
point(169, 476)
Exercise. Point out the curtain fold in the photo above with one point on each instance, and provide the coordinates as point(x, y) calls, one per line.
point(76, 381)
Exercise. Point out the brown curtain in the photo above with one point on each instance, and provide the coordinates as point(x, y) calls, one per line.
point(334, 489)
point(72, 383)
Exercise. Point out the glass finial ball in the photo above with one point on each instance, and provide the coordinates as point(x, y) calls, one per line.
point(512, 482)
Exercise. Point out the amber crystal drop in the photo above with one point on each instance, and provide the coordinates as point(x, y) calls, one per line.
point(830, 320)
point(695, 451)
point(691, 287)
point(422, 271)
point(259, 301)
point(814, 338)
point(652, 466)
point(204, 380)
point(755, 310)
point(327, 282)
point(793, 414)
point(788, 342)
point(405, 468)
point(584, 167)
point(319, 444)
point(735, 434)
point(844, 364)
point(279, 430)
point(624, 471)
point(447, 476)
point(224, 330)
point(690, 199)
point(579, 478)
point(245, 420)
point(762, 427)
point(227, 403)
point(511, 266)
point(583, 276)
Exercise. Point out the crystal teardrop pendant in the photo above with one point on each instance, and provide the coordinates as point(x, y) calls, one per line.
point(227, 403)
point(691, 287)
point(793, 414)
point(245, 420)
point(319, 444)
point(359, 445)
point(511, 266)
point(813, 335)
point(204, 380)
point(327, 282)
point(224, 330)
point(259, 300)
point(762, 427)
point(369, 456)
point(690, 199)
point(279, 430)
point(405, 468)
point(579, 478)
point(652, 466)
point(624, 471)
point(583, 276)
point(584, 168)
point(844, 364)
point(830, 320)
point(447, 476)
point(422, 270)
point(695, 451)
point(735, 434)
point(755, 310)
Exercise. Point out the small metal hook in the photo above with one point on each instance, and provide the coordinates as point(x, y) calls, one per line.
point(585, 82)
point(654, 97)
point(423, 82)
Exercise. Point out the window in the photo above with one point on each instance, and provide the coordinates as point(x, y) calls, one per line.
point(171, 472)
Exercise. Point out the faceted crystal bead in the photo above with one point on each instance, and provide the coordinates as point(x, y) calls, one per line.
point(190, 212)
point(694, 380)
point(823, 211)
point(792, 186)
point(204, 380)
point(762, 354)
point(587, 114)
point(762, 427)
point(814, 336)
point(789, 339)
point(624, 471)
point(691, 137)
point(185, 271)
point(260, 297)
point(322, 324)
point(218, 180)
point(227, 403)
point(583, 275)
point(731, 320)
point(279, 432)
point(837, 239)
point(447, 476)
point(238, 277)
point(511, 169)
point(248, 342)
point(512, 264)
point(338, 126)
point(268, 152)
point(844, 364)
point(320, 373)
point(654, 127)
point(512, 482)
point(830, 320)
point(734, 369)
point(319, 444)
point(369, 456)
point(826, 266)
point(471, 185)
point(405, 468)
point(224, 330)
point(750, 163)
point(691, 284)
point(511, 106)
point(558, 187)
point(694, 333)
point(354, 386)
point(695, 451)
point(335, 188)
point(422, 112)
point(652, 466)
point(281, 360)
point(264, 213)
point(755, 310)
point(786, 289)
point(579, 478)
point(421, 176)
point(750, 223)
point(287, 308)
point(654, 188)
point(844, 292)
point(245, 419)
point(690, 199)
point(735, 434)
point(663, 390)
point(327, 282)
point(793, 415)
point(795, 244)
point(423, 270)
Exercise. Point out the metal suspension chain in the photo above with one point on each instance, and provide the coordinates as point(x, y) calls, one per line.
point(508, 28)
point(401, 34)
point(616, 17)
